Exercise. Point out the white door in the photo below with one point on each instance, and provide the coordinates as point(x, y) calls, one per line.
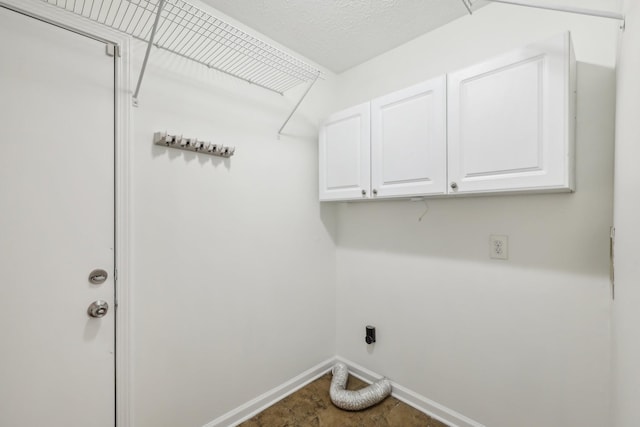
point(56, 226)
point(511, 121)
point(344, 150)
point(409, 141)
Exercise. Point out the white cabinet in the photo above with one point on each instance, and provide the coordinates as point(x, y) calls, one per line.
point(394, 146)
point(344, 152)
point(511, 121)
point(408, 141)
point(504, 125)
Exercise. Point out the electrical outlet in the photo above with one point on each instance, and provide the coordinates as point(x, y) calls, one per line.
point(498, 246)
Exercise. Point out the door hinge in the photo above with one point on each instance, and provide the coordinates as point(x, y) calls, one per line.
point(115, 274)
point(112, 50)
point(612, 243)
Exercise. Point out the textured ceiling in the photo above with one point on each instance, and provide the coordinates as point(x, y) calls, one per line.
point(339, 34)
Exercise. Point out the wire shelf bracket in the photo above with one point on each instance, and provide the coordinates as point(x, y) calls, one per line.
point(467, 4)
point(568, 9)
point(152, 37)
point(295, 108)
point(187, 31)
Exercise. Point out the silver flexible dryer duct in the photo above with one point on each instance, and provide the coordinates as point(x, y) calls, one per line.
point(359, 399)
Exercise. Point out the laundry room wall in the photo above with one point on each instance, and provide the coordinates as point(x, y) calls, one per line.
point(626, 316)
point(522, 342)
point(233, 281)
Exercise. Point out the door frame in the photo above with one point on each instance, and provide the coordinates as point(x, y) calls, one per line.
point(38, 9)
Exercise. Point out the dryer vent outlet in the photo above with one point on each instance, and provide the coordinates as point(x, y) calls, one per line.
point(371, 334)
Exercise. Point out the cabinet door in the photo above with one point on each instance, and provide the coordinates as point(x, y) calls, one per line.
point(408, 141)
point(344, 154)
point(511, 121)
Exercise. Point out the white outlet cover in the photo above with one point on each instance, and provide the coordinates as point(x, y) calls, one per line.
point(499, 246)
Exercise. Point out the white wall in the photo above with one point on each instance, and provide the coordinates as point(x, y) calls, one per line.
point(626, 319)
point(523, 342)
point(233, 260)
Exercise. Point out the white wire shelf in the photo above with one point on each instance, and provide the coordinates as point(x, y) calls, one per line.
point(192, 33)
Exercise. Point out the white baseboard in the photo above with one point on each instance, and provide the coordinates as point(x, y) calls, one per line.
point(411, 398)
point(262, 402)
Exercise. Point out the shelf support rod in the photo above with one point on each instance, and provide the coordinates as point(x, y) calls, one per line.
point(468, 6)
point(148, 52)
point(568, 9)
point(298, 104)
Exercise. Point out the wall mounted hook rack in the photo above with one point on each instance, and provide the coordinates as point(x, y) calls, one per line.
point(192, 144)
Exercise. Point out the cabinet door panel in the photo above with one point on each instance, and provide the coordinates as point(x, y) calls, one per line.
point(510, 121)
point(408, 141)
point(344, 150)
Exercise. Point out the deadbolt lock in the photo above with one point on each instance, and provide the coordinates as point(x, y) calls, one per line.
point(98, 276)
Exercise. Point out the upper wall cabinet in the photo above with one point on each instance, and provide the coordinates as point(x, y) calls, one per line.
point(511, 121)
point(344, 152)
point(408, 141)
point(394, 146)
point(504, 125)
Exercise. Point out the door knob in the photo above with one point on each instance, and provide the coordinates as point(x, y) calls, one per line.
point(98, 309)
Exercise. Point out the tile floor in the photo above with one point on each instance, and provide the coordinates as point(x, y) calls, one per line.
point(311, 406)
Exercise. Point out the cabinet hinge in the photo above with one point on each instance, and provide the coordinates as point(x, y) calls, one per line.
point(612, 243)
